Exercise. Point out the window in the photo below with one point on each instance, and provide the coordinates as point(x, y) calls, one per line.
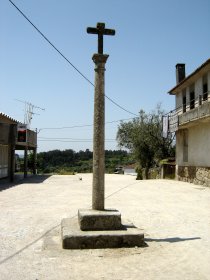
point(205, 88)
point(192, 99)
point(184, 101)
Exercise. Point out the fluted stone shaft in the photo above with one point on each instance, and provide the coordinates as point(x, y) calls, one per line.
point(98, 136)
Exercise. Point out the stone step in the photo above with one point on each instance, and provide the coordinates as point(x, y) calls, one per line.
point(74, 238)
point(109, 219)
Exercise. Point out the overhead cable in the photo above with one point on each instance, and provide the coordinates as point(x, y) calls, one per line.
point(81, 126)
point(75, 68)
point(71, 141)
point(67, 138)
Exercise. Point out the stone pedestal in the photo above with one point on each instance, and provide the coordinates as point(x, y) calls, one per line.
point(95, 229)
point(75, 238)
point(99, 220)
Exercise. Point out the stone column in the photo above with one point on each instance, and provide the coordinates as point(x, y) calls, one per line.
point(98, 136)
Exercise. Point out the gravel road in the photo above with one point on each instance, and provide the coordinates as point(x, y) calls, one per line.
point(175, 218)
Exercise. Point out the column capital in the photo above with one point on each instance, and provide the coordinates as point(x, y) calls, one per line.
point(100, 58)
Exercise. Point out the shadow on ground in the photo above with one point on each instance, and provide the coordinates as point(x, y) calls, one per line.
point(28, 245)
point(170, 240)
point(18, 180)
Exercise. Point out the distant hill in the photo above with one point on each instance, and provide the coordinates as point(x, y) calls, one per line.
point(69, 161)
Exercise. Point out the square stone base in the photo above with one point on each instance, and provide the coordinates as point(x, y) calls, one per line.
point(74, 238)
point(108, 219)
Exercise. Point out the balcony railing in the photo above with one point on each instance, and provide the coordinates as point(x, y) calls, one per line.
point(190, 112)
point(195, 110)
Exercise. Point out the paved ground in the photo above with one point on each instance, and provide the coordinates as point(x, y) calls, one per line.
point(175, 217)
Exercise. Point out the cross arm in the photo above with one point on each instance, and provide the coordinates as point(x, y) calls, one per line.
point(109, 32)
point(92, 30)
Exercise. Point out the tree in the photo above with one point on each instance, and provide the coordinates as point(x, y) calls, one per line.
point(143, 137)
point(69, 161)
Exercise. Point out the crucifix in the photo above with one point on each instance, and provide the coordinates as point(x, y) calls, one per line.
point(99, 227)
point(99, 104)
point(100, 30)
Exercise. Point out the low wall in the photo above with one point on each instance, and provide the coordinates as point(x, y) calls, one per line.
point(194, 174)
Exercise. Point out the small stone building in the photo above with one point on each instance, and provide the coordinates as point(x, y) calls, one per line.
point(191, 122)
point(8, 128)
point(9, 143)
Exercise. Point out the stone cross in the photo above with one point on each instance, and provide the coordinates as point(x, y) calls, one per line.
point(100, 30)
point(99, 104)
point(99, 227)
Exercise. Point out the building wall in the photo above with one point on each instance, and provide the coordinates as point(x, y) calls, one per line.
point(4, 160)
point(208, 80)
point(199, 145)
point(194, 144)
point(193, 135)
point(179, 147)
point(179, 100)
point(130, 171)
point(198, 88)
point(192, 154)
point(7, 146)
point(7, 120)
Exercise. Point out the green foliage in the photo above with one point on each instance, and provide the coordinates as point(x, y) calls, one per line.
point(69, 161)
point(139, 173)
point(114, 159)
point(143, 137)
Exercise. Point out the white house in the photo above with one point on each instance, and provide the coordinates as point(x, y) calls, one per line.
point(191, 121)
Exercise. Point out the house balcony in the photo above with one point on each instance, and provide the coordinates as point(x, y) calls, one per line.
point(191, 114)
point(197, 111)
point(31, 141)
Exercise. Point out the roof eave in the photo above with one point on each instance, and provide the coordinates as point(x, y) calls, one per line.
point(9, 118)
point(175, 89)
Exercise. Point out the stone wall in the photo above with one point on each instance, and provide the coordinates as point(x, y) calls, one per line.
point(193, 174)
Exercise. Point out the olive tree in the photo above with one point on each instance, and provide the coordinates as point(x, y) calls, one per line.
point(143, 137)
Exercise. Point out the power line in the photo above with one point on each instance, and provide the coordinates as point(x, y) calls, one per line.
point(81, 126)
point(67, 138)
point(75, 68)
point(72, 141)
point(120, 106)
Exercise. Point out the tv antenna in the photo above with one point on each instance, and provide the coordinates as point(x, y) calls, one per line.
point(29, 111)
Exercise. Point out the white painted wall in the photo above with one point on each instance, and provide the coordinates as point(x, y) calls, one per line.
point(130, 171)
point(198, 146)
point(179, 100)
point(198, 88)
point(198, 135)
point(179, 148)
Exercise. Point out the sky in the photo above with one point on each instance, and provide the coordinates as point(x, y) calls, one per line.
point(151, 38)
